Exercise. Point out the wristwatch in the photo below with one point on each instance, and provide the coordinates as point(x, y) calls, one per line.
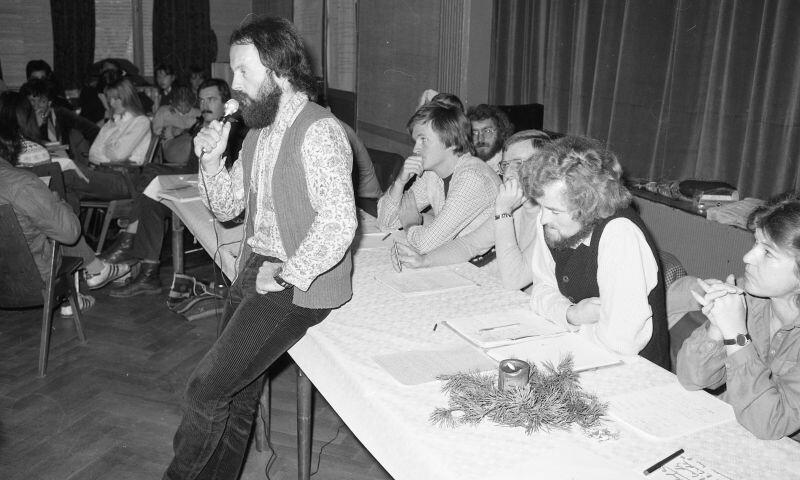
point(280, 281)
point(741, 339)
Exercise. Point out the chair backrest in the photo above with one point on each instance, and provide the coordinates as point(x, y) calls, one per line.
point(20, 282)
point(525, 117)
point(152, 149)
point(52, 170)
point(387, 166)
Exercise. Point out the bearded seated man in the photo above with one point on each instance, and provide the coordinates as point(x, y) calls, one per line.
point(594, 263)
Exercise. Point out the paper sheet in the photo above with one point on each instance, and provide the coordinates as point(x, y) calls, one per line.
point(687, 467)
point(669, 411)
point(585, 354)
point(421, 366)
point(424, 281)
point(373, 241)
point(502, 328)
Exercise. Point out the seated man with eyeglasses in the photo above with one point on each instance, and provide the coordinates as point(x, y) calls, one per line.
point(459, 188)
point(490, 129)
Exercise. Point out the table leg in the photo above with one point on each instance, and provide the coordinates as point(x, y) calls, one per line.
point(262, 421)
point(177, 243)
point(305, 392)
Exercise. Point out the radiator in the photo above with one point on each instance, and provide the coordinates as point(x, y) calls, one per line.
point(706, 249)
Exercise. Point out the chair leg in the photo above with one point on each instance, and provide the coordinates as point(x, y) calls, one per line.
point(262, 422)
point(106, 222)
point(47, 325)
point(76, 311)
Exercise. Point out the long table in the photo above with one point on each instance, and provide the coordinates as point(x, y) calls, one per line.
point(392, 420)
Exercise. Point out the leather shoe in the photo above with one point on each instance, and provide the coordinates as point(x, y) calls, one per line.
point(120, 250)
point(146, 283)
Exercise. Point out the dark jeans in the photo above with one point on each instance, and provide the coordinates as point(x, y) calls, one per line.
point(150, 233)
point(223, 391)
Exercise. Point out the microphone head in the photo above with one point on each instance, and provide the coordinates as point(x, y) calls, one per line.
point(231, 107)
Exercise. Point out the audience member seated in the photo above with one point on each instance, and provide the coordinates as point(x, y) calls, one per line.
point(165, 77)
point(42, 215)
point(142, 240)
point(178, 117)
point(123, 140)
point(459, 188)
point(17, 109)
point(94, 105)
point(594, 264)
point(490, 128)
point(41, 70)
point(59, 124)
point(513, 240)
point(197, 75)
point(751, 341)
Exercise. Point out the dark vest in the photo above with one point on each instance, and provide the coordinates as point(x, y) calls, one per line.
point(576, 273)
point(293, 211)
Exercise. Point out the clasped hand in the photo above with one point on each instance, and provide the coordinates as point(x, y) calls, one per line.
point(584, 312)
point(724, 305)
point(265, 280)
point(509, 196)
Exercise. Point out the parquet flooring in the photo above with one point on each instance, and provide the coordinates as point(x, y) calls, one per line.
point(109, 409)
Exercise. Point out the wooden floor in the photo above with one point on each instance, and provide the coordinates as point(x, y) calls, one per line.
point(109, 409)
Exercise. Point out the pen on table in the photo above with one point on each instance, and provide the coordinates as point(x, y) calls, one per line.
point(435, 326)
point(663, 462)
point(386, 236)
point(487, 329)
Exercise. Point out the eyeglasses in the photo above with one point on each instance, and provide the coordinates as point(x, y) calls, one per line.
point(484, 131)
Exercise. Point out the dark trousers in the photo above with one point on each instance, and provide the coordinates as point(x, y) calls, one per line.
point(103, 184)
point(223, 391)
point(150, 233)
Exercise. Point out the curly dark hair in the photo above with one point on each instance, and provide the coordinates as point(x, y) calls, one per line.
point(281, 50)
point(591, 173)
point(483, 112)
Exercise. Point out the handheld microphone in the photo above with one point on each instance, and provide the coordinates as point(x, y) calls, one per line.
point(231, 107)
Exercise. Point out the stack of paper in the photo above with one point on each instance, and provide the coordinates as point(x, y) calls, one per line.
point(540, 350)
point(425, 281)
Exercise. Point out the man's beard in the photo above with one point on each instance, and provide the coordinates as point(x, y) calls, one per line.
point(259, 112)
point(486, 155)
point(572, 241)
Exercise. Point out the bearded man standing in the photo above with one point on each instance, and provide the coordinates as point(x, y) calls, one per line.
point(293, 179)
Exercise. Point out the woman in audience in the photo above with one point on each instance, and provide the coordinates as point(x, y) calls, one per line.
point(751, 342)
point(123, 140)
point(42, 215)
point(17, 109)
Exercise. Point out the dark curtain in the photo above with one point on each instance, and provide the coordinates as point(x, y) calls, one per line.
point(182, 35)
point(73, 40)
point(678, 88)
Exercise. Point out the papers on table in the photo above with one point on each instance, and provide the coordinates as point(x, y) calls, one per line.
point(422, 366)
point(687, 467)
point(495, 329)
point(669, 411)
point(373, 241)
point(177, 188)
point(424, 281)
point(539, 350)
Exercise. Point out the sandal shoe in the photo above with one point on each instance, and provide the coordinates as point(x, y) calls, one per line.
point(109, 273)
point(85, 302)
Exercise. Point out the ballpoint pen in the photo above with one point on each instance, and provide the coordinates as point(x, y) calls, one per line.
point(488, 329)
point(663, 462)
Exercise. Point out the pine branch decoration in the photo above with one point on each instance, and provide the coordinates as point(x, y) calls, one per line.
point(553, 399)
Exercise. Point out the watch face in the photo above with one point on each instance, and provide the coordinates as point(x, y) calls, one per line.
point(742, 339)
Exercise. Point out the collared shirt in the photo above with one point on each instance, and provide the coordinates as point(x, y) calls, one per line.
point(763, 377)
point(469, 203)
point(327, 159)
point(124, 137)
point(626, 274)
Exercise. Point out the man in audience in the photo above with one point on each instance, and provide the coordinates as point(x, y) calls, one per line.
point(165, 77)
point(142, 240)
point(179, 116)
point(459, 188)
point(490, 128)
point(594, 263)
point(293, 179)
point(59, 124)
point(41, 70)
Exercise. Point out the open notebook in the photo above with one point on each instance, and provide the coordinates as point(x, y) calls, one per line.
point(501, 328)
point(540, 350)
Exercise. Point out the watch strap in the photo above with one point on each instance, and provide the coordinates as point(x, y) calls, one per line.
point(741, 339)
point(283, 283)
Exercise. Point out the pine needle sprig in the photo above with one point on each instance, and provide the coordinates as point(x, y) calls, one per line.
point(553, 399)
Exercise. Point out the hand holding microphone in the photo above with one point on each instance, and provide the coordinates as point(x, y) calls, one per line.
point(210, 142)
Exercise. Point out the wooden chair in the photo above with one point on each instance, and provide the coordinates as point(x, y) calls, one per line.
point(115, 209)
point(21, 285)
